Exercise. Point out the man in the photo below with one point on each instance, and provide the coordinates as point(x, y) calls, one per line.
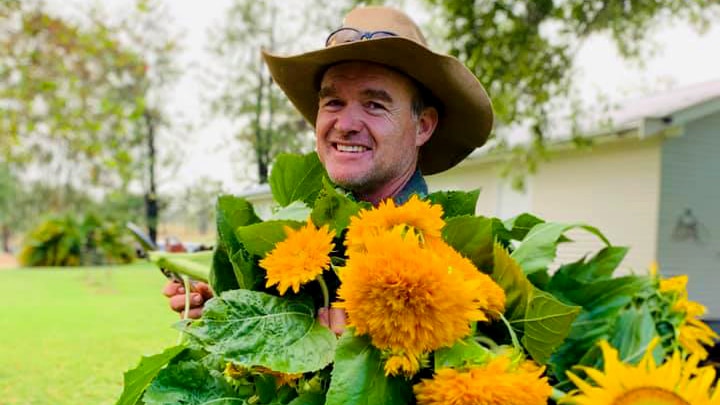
point(386, 109)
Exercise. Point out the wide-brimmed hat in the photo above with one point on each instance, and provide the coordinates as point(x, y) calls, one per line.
point(466, 115)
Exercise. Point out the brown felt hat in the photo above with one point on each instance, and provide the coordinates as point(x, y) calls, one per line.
point(466, 116)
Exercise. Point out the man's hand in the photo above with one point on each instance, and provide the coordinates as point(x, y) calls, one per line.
point(333, 318)
point(199, 293)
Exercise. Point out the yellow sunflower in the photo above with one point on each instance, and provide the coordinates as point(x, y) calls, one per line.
point(492, 298)
point(407, 298)
point(694, 333)
point(300, 258)
point(499, 382)
point(421, 216)
point(675, 382)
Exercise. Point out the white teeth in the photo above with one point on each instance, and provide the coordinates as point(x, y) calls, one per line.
point(351, 148)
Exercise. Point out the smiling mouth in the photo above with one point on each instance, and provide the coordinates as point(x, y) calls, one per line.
point(351, 148)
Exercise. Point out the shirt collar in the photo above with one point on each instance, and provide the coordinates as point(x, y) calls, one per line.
point(416, 185)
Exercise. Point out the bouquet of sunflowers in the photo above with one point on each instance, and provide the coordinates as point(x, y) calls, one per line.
point(443, 307)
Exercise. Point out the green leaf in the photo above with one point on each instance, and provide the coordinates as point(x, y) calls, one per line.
point(259, 239)
point(140, 377)
point(633, 330)
point(190, 383)
point(455, 203)
point(547, 323)
point(462, 354)
point(248, 274)
point(233, 212)
point(520, 225)
point(358, 376)
point(309, 398)
point(473, 237)
point(333, 208)
point(296, 211)
point(296, 178)
point(508, 275)
point(222, 274)
point(539, 247)
point(252, 328)
point(599, 267)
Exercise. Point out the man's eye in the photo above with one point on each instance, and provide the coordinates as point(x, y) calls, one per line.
point(375, 105)
point(333, 102)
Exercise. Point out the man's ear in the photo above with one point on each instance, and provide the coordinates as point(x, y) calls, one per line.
point(426, 124)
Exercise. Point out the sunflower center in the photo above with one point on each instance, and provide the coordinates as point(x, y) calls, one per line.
point(649, 396)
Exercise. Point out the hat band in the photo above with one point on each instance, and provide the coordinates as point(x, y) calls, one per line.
point(349, 34)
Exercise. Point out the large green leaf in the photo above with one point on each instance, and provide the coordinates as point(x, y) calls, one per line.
point(248, 274)
point(539, 247)
point(259, 239)
point(135, 381)
point(508, 275)
point(455, 203)
point(358, 376)
point(190, 383)
point(473, 237)
point(463, 353)
point(296, 211)
point(333, 208)
point(546, 325)
point(252, 328)
point(233, 212)
point(222, 274)
point(296, 178)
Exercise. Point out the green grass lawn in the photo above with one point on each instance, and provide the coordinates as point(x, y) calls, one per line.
point(67, 335)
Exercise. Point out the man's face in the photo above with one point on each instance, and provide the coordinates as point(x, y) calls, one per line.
point(367, 136)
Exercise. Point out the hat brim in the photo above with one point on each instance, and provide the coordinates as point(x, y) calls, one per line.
point(467, 116)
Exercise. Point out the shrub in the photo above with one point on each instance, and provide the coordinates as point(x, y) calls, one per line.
point(67, 241)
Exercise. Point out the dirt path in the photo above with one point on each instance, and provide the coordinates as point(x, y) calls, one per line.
point(7, 261)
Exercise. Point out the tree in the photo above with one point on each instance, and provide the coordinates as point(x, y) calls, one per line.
point(149, 36)
point(64, 92)
point(261, 115)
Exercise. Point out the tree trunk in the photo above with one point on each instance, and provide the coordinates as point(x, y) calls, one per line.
point(6, 238)
point(151, 203)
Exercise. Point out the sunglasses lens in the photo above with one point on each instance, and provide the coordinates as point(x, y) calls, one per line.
point(342, 36)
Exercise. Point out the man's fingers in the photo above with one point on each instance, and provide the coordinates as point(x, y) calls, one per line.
point(203, 289)
point(173, 288)
point(337, 319)
point(177, 302)
point(323, 318)
point(194, 313)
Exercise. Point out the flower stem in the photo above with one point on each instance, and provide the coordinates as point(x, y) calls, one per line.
point(325, 292)
point(186, 282)
point(557, 394)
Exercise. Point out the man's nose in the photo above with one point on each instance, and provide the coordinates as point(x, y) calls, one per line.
point(347, 120)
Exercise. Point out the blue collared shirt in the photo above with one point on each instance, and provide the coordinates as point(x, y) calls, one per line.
point(416, 185)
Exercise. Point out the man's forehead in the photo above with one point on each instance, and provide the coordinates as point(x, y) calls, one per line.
point(354, 72)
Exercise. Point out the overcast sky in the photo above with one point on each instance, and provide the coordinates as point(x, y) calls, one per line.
point(683, 57)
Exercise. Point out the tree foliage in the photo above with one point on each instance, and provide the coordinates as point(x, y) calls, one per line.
point(66, 96)
point(262, 116)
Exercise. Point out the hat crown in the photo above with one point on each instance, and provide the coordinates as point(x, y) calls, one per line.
point(380, 18)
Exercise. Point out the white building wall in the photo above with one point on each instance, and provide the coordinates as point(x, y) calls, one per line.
point(614, 187)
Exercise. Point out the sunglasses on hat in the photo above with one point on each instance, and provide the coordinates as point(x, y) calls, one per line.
point(347, 34)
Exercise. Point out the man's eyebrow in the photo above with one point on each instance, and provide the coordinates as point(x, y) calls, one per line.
point(327, 91)
point(378, 94)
